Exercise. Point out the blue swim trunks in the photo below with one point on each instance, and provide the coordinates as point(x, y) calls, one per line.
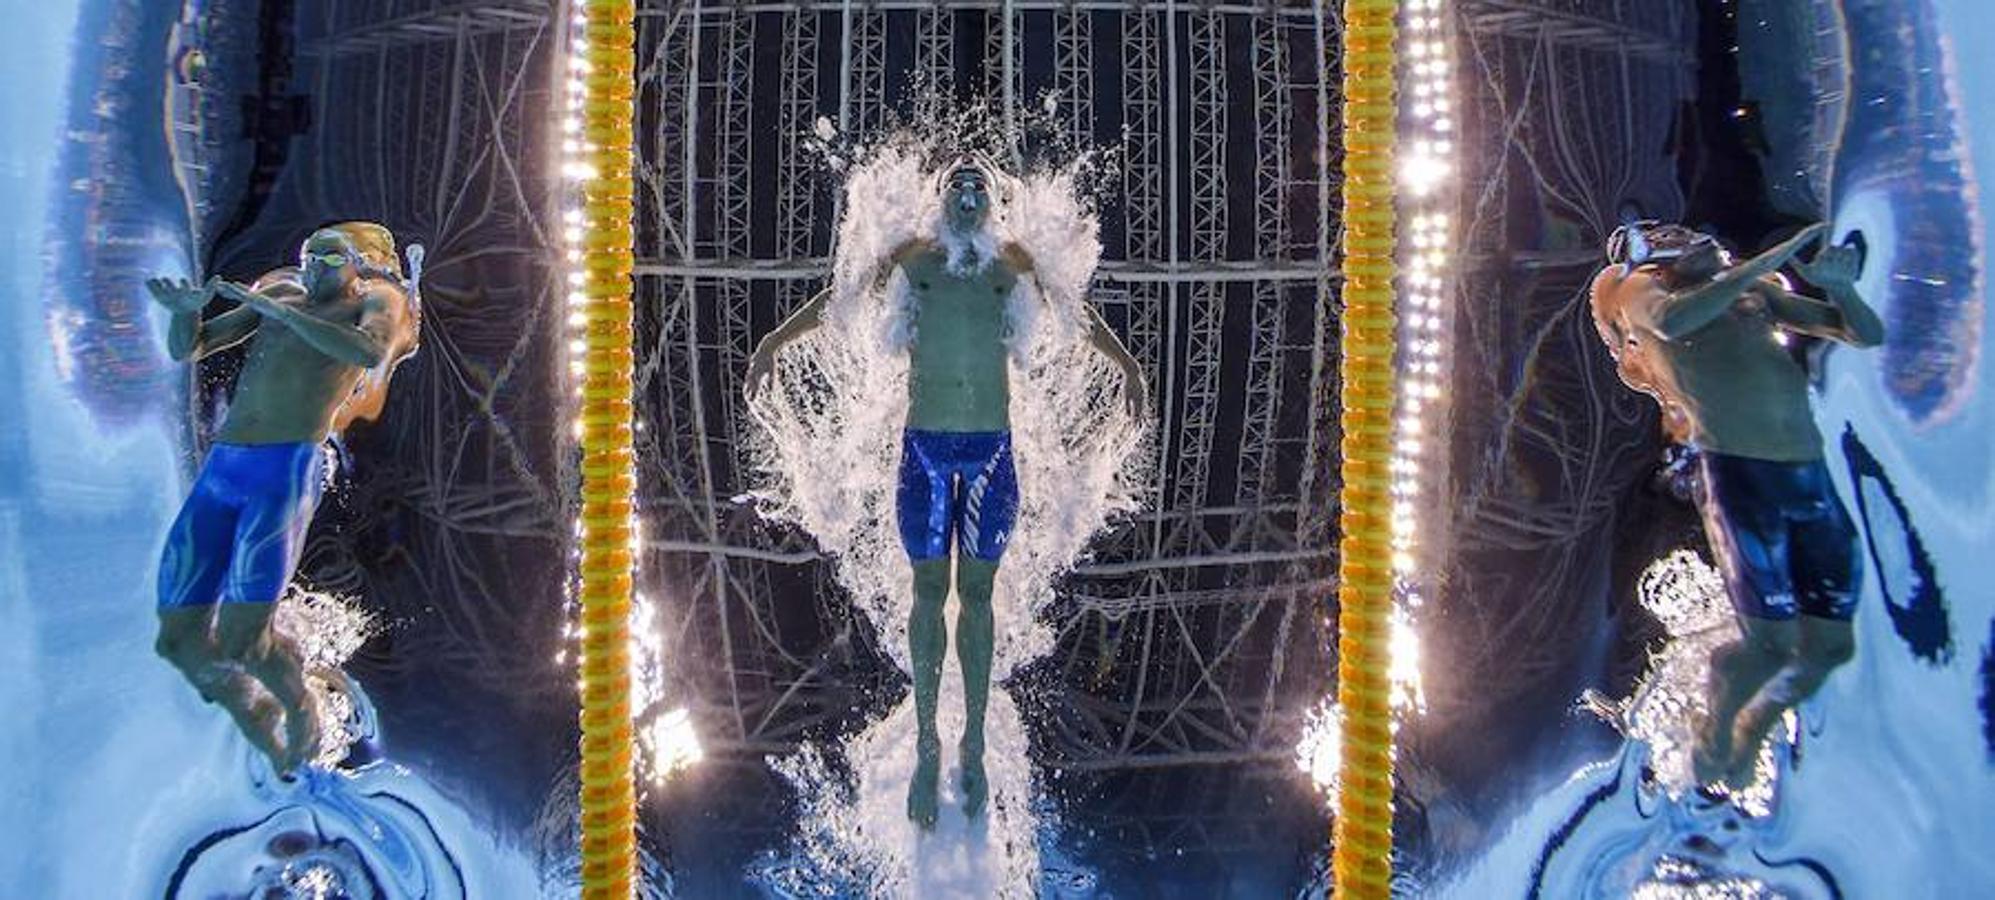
point(238, 537)
point(960, 486)
point(1784, 543)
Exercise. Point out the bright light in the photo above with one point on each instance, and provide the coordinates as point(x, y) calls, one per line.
point(1426, 174)
point(1322, 748)
point(670, 745)
point(1408, 692)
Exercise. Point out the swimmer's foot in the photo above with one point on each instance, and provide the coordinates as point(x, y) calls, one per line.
point(1711, 750)
point(257, 715)
point(302, 732)
point(262, 724)
point(1742, 769)
point(1710, 825)
point(971, 778)
point(921, 790)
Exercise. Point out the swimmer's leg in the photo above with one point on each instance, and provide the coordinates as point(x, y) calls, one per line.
point(192, 567)
point(927, 639)
point(1738, 671)
point(974, 642)
point(1825, 644)
point(186, 640)
point(199, 549)
point(269, 540)
point(1748, 533)
point(257, 714)
point(274, 660)
point(989, 511)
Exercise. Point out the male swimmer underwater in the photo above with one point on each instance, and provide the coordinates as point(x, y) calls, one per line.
point(324, 340)
point(958, 489)
point(1697, 332)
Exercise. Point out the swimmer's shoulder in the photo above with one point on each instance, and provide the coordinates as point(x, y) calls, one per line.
point(914, 250)
point(1615, 285)
point(1015, 257)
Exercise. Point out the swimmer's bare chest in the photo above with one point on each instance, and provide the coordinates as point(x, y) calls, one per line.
point(958, 375)
point(1744, 391)
point(288, 390)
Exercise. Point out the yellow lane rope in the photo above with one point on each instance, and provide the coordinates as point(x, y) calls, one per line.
point(1361, 855)
point(608, 789)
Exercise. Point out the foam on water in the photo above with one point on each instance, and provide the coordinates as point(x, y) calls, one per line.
point(830, 453)
point(855, 837)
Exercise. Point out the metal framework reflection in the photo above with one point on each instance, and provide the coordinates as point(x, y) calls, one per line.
point(1196, 634)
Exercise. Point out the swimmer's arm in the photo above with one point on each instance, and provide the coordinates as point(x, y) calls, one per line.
point(188, 336)
point(1683, 313)
point(199, 340)
point(365, 344)
point(1843, 316)
point(907, 250)
point(1860, 322)
point(1104, 340)
point(1802, 314)
point(800, 323)
point(1100, 336)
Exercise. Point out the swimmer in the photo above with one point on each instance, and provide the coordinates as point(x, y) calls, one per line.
point(324, 339)
point(958, 492)
point(1688, 326)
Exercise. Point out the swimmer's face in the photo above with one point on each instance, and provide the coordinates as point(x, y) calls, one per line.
point(328, 261)
point(967, 199)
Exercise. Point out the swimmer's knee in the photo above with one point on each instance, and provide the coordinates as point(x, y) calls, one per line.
point(1772, 640)
point(248, 646)
point(1829, 648)
point(180, 648)
point(931, 580)
point(974, 578)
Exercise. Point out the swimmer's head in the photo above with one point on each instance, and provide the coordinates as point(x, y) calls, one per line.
point(1686, 252)
point(966, 195)
point(333, 256)
point(327, 262)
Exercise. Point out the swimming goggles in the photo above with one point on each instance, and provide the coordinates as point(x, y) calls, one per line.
point(1629, 244)
point(331, 259)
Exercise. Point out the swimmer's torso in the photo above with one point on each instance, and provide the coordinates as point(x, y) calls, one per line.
point(1741, 393)
point(958, 376)
point(289, 390)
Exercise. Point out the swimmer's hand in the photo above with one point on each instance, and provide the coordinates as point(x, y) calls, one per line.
point(1782, 253)
point(761, 372)
point(261, 303)
point(1832, 267)
point(1135, 394)
point(181, 295)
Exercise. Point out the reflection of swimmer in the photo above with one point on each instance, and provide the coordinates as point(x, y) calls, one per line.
point(1700, 333)
point(324, 340)
point(958, 489)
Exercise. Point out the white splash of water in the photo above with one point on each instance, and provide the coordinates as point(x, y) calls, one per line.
point(666, 739)
point(1322, 747)
point(1674, 879)
point(1409, 692)
point(670, 744)
point(1319, 752)
point(327, 630)
point(830, 453)
point(1688, 596)
point(856, 840)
